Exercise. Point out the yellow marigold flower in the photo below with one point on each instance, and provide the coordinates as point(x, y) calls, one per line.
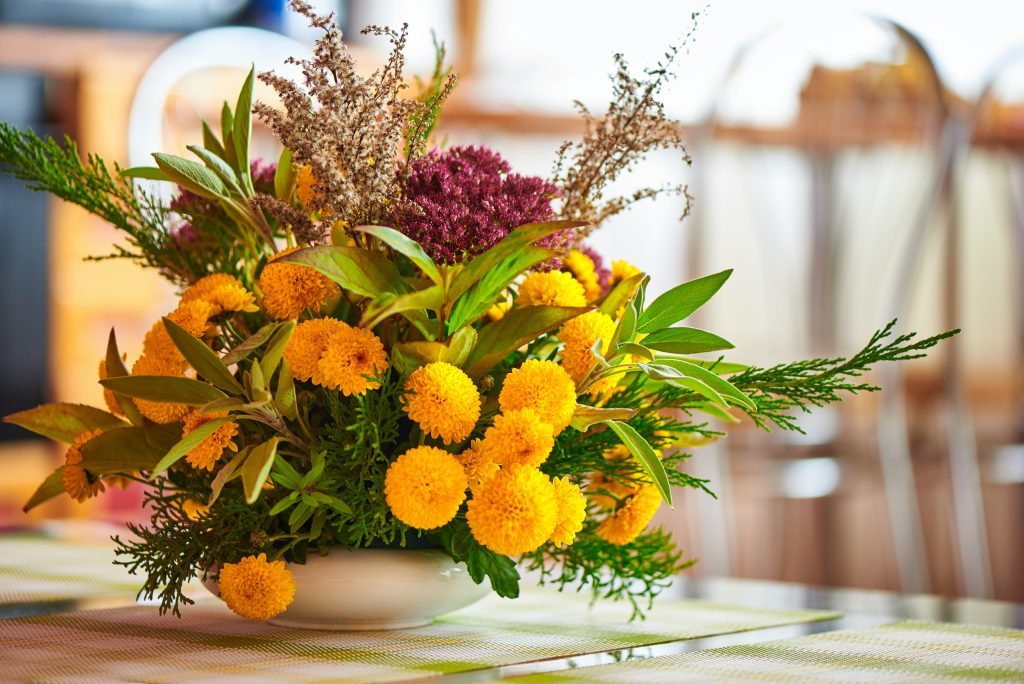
point(498, 311)
point(514, 512)
point(308, 344)
point(205, 455)
point(552, 288)
point(478, 467)
point(151, 363)
point(304, 181)
point(193, 509)
point(352, 356)
point(443, 401)
point(109, 398)
point(543, 386)
point(583, 270)
point(572, 509)
point(632, 516)
point(290, 289)
point(225, 292)
point(79, 483)
point(256, 589)
point(600, 481)
point(621, 270)
point(425, 487)
point(518, 437)
point(193, 316)
point(580, 335)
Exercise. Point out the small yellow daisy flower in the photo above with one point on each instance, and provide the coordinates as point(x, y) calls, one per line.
point(425, 487)
point(308, 344)
point(621, 270)
point(514, 512)
point(79, 483)
point(572, 509)
point(352, 356)
point(580, 335)
point(256, 589)
point(204, 456)
point(289, 289)
point(518, 437)
point(225, 292)
point(583, 270)
point(551, 288)
point(632, 516)
point(443, 401)
point(478, 468)
point(543, 386)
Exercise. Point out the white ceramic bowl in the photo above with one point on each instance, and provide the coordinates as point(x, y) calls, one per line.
point(365, 589)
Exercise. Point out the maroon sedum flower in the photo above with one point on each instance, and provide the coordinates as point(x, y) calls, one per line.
point(460, 202)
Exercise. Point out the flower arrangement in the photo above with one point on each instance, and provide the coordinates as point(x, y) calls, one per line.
point(383, 341)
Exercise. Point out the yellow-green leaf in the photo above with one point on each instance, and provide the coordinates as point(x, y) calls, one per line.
point(645, 455)
point(63, 422)
point(203, 359)
point(167, 389)
point(187, 444)
point(257, 468)
point(52, 486)
point(519, 326)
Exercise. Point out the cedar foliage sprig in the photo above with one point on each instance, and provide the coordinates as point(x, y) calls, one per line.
point(48, 166)
point(803, 385)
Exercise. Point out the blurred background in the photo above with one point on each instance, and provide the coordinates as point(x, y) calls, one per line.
point(853, 166)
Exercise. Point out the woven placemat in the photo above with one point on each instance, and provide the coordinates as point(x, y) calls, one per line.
point(211, 644)
point(909, 651)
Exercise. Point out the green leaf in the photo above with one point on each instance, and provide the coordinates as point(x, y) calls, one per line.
point(460, 346)
point(685, 341)
point(621, 295)
point(475, 302)
point(63, 422)
point(257, 468)
point(257, 383)
point(680, 302)
point(284, 176)
point(242, 126)
point(127, 450)
point(285, 475)
point(219, 167)
point(275, 349)
point(147, 172)
point(230, 404)
point(497, 340)
point(584, 416)
point(285, 397)
point(210, 141)
point(387, 305)
point(720, 384)
point(187, 444)
point(633, 349)
point(190, 175)
point(52, 486)
point(645, 455)
point(167, 389)
point(406, 246)
point(283, 504)
point(718, 366)
point(203, 359)
point(227, 123)
point(117, 369)
point(227, 473)
point(357, 270)
point(482, 264)
point(250, 344)
point(714, 410)
point(300, 514)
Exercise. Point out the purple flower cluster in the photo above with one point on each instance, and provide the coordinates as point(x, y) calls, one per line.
point(460, 202)
point(262, 172)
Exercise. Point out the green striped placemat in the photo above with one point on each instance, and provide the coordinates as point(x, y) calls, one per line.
point(211, 644)
point(909, 651)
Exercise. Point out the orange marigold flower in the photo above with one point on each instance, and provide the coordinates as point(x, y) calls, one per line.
point(79, 483)
point(425, 487)
point(304, 181)
point(580, 335)
point(353, 356)
point(514, 512)
point(225, 292)
point(157, 411)
point(289, 289)
point(518, 437)
point(543, 386)
point(308, 344)
point(256, 589)
point(603, 489)
point(443, 401)
point(205, 455)
point(631, 517)
point(479, 468)
point(572, 509)
point(551, 288)
point(584, 271)
point(193, 316)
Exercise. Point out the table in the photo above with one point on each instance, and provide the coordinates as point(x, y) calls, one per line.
point(91, 603)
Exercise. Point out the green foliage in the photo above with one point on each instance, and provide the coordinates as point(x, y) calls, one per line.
point(432, 94)
point(457, 539)
point(63, 421)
